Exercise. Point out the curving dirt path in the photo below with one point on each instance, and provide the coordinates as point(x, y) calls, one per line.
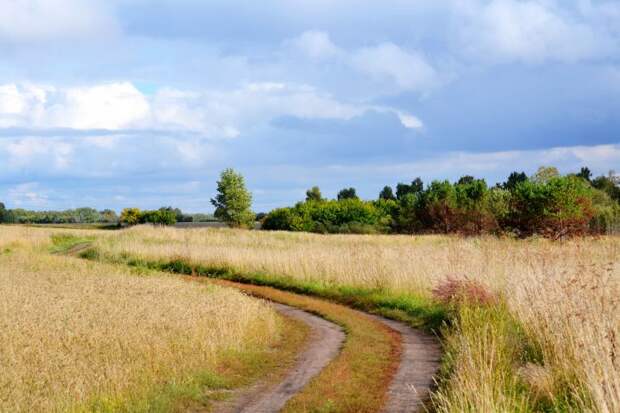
point(324, 344)
point(419, 363)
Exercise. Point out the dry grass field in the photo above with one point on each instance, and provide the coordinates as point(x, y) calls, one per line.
point(551, 340)
point(85, 336)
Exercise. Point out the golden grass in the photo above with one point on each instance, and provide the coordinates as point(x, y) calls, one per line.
point(563, 295)
point(77, 335)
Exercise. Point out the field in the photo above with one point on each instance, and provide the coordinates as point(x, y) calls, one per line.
point(84, 336)
point(526, 325)
point(547, 339)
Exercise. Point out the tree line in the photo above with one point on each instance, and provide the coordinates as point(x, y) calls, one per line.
point(546, 204)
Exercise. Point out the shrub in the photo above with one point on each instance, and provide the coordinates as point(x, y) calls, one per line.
point(558, 207)
point(349, 215)
point(130, 216)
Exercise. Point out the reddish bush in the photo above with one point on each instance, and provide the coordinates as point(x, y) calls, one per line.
point(456, 291)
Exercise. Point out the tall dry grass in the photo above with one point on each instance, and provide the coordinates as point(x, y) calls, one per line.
point(562, 295)
point(74, 333)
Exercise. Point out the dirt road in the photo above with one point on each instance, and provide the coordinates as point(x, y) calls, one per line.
point(324, 344)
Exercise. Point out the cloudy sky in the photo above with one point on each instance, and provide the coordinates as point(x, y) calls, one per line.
point(115, 103)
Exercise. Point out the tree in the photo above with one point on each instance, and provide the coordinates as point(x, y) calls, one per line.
point(162, 216)
point(2, 212)
point(559, 207)
point(607, 184)
point(466, 179)
point(130, 216)
point(314, 194)
point(387, 193)
point(585, 173)
point(545, 173)
point(514, 179)
point(347, 193)
point(108, 216)
point(415, 187)
point(233, 202)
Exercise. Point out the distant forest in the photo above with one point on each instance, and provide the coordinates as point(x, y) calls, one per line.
point(546, 204)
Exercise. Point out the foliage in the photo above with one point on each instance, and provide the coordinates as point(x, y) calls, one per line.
point(609, 184)
point(387, 193)
point(70, 216)
point(349, 215)
point(415, 187)
point(347, 193)
point(556, 207)
point(513, 179)
point(158, 217)
point(585, 173)
point(550, 205)
point(314, 194)
point(162, 216)
point(130, 216)
point(545, 174)
point(233, 201)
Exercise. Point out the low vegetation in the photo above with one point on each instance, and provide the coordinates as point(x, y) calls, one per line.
point(539, 334)
point(83, 336)
point(545, 204)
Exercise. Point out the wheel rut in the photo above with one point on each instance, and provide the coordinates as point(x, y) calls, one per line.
point(410, 386)
point(323, 346)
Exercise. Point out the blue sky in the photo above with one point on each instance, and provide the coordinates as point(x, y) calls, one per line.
point(141, 103)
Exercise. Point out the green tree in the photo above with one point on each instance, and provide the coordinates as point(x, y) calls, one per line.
point(608, 185)
point(513, 179)
point(233, 201)
point(347, 193)
point(466, 179)
point(314, 194)
point(162, 216)
point(415, 187)
point(559, 207)
point(387, 193)
point(585, 173)
point(108, 216)
point(130, 216)
point(545, 173)
point(3, 213)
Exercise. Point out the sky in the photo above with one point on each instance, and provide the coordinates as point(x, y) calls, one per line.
point(136, 103)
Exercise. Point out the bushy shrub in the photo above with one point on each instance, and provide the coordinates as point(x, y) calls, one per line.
point(133, 216)
point(350, 215)
point(548, 204)
point(557, 207)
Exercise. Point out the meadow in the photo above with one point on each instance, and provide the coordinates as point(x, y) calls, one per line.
point(85, 336)
point(540, 334)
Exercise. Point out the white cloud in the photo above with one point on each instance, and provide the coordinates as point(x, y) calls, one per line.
point(215, 114)
point(28, 195)
point(108, 106)
point(599, 158)
point(45, 20)
point(409, 121)
point(315, 44)
point(408, 69)
point(532, 31)
point(25, 152)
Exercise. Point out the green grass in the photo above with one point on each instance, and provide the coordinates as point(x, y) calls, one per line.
point(63, 243)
